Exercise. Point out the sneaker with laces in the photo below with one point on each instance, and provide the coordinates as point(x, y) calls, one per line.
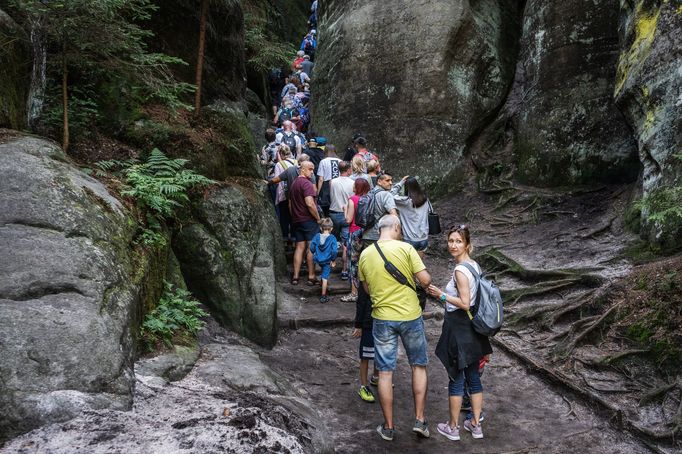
point(324, 299)
point(350, 298)
point(385, 433)
point(476, 431)
point(366, 394)
point(470, 415)
point(451, 433)
point(421, 428)
point(374, 380)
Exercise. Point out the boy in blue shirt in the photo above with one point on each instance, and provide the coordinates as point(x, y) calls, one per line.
point(325, 250)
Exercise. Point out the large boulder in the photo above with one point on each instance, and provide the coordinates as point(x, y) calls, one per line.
point(69, 291)
point(418, 79)
point(176, 29)
point(567, 127)
point(232, 257)
point(649, 90)
point(15, 70)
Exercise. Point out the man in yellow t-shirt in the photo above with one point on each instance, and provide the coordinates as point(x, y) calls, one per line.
point(396, 314)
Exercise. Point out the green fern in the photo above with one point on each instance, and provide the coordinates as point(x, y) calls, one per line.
point(177, 313)
point(161, 184)
point(663, 205)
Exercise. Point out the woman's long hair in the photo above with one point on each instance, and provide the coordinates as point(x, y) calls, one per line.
point(415, 192)
point(360, 187)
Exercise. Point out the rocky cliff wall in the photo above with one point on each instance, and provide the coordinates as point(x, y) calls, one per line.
point(525, 83)
point(418, 78)
point(648, 89)
point(70, 290)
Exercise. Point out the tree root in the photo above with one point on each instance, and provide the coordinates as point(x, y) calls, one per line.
point(565, 348)
point(599, 229)
point(517, 295)
point(530, 314)
point(658, 392)
point(574, 304)
point(608, 360)
point(497, 261)
point(570, 408)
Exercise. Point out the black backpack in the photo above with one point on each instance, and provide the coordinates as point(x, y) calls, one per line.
point(290, 141)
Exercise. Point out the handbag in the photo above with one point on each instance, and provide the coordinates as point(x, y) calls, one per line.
point(434, 221)
point(400, 277)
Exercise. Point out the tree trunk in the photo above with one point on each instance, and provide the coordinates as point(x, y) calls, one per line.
point(200, 55)
point(65, 103)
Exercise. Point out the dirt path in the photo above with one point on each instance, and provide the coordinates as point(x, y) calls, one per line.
point(552, 252)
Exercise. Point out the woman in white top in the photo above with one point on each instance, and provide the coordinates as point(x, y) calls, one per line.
point(460, 347)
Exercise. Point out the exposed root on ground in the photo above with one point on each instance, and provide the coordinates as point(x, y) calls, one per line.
point(564, 348)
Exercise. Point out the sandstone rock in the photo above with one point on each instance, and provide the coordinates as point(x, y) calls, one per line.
point(648, 89)
point(567, 127)
point(15, 60)
point(417, 78)
point(190, 415)
point(231, 259)
point(176, 28)
point(67, 295)
point(172, 366)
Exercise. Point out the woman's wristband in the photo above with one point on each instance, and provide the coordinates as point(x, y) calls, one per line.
point(443, 297)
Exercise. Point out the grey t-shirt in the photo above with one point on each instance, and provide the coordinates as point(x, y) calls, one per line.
point(307, 67)
point(341, 190)
point(384, 203)
point(414, 221)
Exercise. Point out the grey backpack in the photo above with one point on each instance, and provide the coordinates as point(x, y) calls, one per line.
point(489, 314)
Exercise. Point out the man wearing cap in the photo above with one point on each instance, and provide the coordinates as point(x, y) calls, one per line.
point(315, 150)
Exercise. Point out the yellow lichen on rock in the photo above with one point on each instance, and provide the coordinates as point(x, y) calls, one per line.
point(645, 29)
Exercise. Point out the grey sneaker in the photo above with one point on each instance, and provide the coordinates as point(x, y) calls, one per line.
point(386, 434)
point(476, 431)
point(451, 433)
point(421, 428)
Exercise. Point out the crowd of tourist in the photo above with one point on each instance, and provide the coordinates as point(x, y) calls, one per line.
point(350, 207)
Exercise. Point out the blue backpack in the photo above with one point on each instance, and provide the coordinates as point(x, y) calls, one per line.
point(489, 313)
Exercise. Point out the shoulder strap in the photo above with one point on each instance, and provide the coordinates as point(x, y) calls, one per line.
point(477, 277)
point(386, 262)
point(430, 206)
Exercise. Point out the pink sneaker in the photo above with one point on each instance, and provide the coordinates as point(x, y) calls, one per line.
point(476, 431)
point(451, 433)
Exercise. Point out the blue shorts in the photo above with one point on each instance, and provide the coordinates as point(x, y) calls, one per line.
point(305, 231)
point(326, 270)
point(386, 335)
point(420, 246)
point(366, 344)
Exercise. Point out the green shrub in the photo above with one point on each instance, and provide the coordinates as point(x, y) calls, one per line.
point(177, 316)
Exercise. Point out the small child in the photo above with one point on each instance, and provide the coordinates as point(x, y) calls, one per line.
point(325, 250)
point(466, 401)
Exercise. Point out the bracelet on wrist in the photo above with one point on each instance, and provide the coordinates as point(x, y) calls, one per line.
point(442, 297)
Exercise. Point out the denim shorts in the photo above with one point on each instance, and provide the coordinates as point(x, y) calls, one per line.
point(386, 335)
point(305, 231)
point(326, 270)
point(420, 246)
point(341, 227)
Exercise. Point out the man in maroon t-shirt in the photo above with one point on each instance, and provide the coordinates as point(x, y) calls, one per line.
point(304, 219)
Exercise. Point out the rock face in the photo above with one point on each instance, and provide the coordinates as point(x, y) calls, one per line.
point(232, 257)
point(67, 299)
point(418, 78)
point(649, 90)
point(567, 127)
point(15, 59)
point(176, 28)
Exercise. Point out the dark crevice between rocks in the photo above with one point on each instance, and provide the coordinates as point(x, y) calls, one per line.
point(44, 289)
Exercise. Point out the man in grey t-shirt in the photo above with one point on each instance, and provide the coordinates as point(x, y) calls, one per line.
point(384, 204)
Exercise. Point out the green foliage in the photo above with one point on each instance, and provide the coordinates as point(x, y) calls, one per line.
point(663, 205)
point(99, 44)
point(177, 314)
point(160, 185)
point(264, 51)
point(151, 238)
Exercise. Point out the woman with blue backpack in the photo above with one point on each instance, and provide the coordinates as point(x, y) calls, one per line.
point(460, 347)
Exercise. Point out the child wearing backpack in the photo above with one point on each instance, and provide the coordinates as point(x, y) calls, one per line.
point(325, 250)
point(460, 347)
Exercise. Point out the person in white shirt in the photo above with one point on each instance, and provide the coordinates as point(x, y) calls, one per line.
point(341, 189)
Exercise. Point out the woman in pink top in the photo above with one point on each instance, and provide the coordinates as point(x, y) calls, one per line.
point(360, 188)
